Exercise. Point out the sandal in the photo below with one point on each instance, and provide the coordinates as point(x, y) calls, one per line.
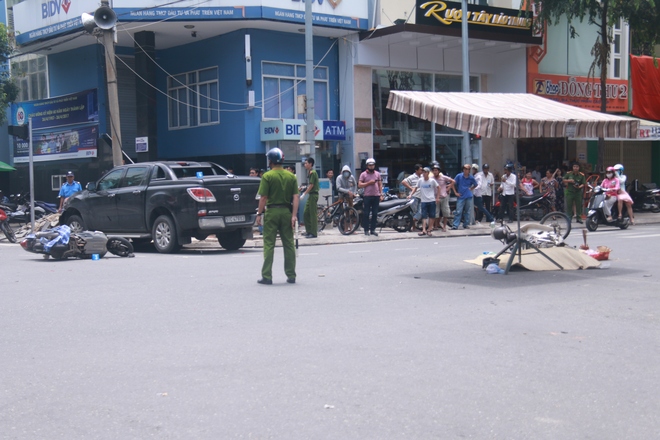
point(421, 233)
point(429, 234)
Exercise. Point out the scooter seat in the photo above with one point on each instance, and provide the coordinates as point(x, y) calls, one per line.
point(391, 203)
point(48, 235)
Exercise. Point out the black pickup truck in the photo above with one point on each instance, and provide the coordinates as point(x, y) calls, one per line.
point(169, 203)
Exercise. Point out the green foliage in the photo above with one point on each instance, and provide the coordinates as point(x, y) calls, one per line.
point(8, 88)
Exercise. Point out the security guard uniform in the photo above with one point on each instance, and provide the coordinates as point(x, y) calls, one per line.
point(279, 186)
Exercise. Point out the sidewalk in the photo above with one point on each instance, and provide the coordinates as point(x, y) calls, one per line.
point(332, 235)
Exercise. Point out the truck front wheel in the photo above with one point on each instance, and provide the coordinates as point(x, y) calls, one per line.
point(232, 241)
point(164, 235)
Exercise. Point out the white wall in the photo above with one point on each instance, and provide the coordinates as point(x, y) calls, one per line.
point(391, 10)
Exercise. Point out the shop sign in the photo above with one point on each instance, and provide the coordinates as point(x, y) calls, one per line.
point(484, 18)
point(651, 133)
point(291, 130)
point(580, 91)
point(63, 127)
point(41, 19)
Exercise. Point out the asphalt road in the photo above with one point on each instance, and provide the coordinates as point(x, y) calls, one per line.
point(382, 340)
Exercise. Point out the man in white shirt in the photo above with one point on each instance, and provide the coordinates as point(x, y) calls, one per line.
point(429, 196)
point(410, 183)
point(478, 195)
point(508, 190)
point(486, 189)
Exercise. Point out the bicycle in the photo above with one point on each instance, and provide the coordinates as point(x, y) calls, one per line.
point(339, 214)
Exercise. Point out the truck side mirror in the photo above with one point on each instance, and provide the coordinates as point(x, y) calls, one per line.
point(91, 186)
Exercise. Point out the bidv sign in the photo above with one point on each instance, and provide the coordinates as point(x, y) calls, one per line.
point(291, 129)
point(54, 7)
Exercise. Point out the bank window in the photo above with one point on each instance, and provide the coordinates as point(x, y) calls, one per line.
point(282, 83)
point(32, 75)
point(193, 99)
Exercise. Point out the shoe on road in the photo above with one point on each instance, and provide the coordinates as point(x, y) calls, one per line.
point(265, 281)
point(291, 280)
point(374, 233)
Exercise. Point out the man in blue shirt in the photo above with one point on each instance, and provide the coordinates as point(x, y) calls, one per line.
point(463, 187)
point(69, 188)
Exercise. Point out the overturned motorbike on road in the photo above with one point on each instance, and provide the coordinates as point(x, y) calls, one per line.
point(60, 244)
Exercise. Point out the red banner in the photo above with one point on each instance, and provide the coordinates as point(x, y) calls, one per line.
point(646, 88)
point(579, 91)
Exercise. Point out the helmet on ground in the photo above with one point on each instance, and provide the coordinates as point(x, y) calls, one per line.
point(611, 169)
point(618, 167)
point(371, 161)
point(275, 156)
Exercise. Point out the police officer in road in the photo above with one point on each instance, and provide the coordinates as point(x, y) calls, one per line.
point(279, 206)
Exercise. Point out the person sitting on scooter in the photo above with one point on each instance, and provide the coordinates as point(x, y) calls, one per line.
point(623, 196)
point(611, 186)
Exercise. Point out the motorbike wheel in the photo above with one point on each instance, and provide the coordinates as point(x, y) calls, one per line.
point(320, 217)
point(656, 209)
point(8, 231)
point(120, 246)
point(592, 222)
point(559, 221)
point(402, 222)
point(536, 214)
point(349, 221)
point(624, 223)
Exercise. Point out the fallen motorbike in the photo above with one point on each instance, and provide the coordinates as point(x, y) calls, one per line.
point(6, 229)
point(596, 216)
point(537, 234)
point(644, 199)
point(60, 244)
point(393, 213)
point(535, 206)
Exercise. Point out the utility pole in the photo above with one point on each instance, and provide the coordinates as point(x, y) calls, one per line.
point(309, 77)
point(467, 153)
point(108, 40)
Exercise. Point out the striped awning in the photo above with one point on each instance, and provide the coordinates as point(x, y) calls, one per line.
point(511, 115)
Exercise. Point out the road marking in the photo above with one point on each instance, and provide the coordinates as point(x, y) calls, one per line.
point(640, 236)
point(312, 253)
point(358, 252)
point(406, 249)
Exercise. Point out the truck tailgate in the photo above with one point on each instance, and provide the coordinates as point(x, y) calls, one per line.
point(234, 196)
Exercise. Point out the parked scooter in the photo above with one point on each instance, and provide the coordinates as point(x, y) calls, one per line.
point(644, 199)
point(18, 208)
point(596, 216)
point(535, 206)
point(6, 229)
point(393, 213)
point(60, 244)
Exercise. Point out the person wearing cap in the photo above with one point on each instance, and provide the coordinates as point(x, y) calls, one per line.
point(486, 189)
point(68, 188)
point(574, 182)
point(312, 193)
point(478, 198)
point(279, 206)
point(465, 183)
point(429, 196)
point(371, 181)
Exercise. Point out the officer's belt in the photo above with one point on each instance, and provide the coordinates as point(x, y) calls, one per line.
point(278, 205)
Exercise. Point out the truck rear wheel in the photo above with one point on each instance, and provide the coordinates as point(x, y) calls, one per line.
point(164, 235)
point(232, 241)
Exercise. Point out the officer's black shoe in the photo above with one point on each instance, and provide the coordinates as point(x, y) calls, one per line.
point(265, 281)
point(366, 232)
point(374, 233)
point(310, 236)
point(291, 280)
point(579, 220)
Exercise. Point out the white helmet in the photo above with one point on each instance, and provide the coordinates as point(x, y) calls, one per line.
point(618, 167)
point(371, 161)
